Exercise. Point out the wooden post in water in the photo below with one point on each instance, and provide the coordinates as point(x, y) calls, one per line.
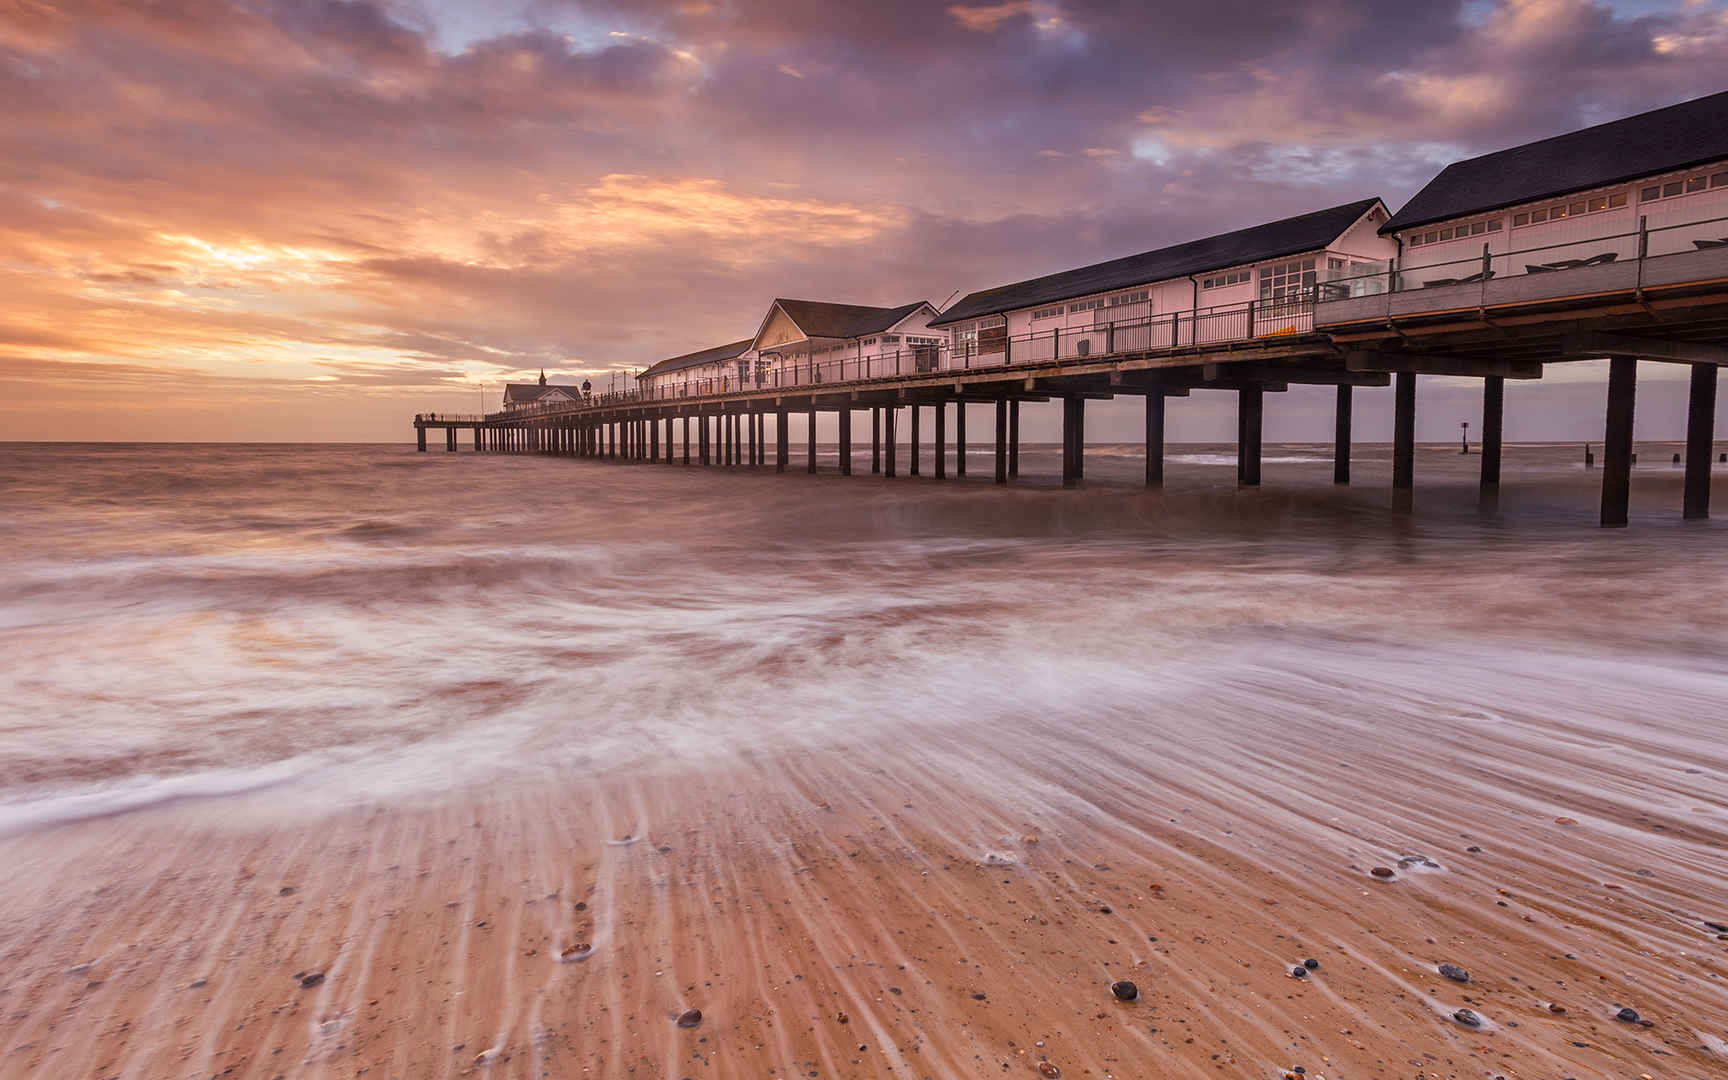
point(1014, 437)
point(1001, 441)
point(875, 439)
point(1493, 417)
point(1700, 440)
point(960, 438)
point(888, 439)
point(1250, 413)
point(1155, 438)
point(1341, 435)
point(653, 440)
point(1404, 441)
point(941, 440)
point(1070, 443)
point(420, 438)
point(810, 453)
point(702, 438)
point(782, 449)
point(1617, 441)
point(912, 465)
point(845, 418)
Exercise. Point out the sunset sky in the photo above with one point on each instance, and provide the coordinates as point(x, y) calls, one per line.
point(307, 220)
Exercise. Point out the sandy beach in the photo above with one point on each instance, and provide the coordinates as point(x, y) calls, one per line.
point(921, 834)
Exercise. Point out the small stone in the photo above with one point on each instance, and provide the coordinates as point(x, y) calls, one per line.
point(312, 979)
point(1124, 990)
point(977, 997)
point(1627, 1016)
point(1382, 872)
point(1473, 849)
point(1468, 1018)
point(577, 952)
point(842, 1018)
point(1556, 1009)
point(1298, 973)
point(1104, 911)
point(581, 905)
point(286, 890)
point(198, 984)
point(689, 1018)
point(1047, 1069)
point(1455, 973)
point(1565, 821)
point(1720, 928)
point(1311, 964)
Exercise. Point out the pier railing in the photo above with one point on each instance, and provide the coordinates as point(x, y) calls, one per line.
point(1274, 318)
point(1581, 247)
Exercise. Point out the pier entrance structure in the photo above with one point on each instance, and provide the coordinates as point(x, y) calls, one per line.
point(1610, 242)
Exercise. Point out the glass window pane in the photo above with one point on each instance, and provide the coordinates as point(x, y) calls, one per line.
point(1650, 193)
point(1578, 208)
point(1600, 202)
point(1520, 219)
point(1719, 179)
point(1538, 216)
point(1673, 187)
point(1696, 183)
point(1617, 199)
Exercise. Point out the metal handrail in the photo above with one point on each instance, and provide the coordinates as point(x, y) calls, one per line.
point(1401, 277)
point(1223, 324)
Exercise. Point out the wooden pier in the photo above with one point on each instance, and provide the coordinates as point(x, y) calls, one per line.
point(1684, 322)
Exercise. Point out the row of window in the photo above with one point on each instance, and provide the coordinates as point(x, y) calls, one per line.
point(1459, 232)
point(1218, 281)
point(1683, 187)
point(1138, 296)
point(1577, 208)
point(1291, 280)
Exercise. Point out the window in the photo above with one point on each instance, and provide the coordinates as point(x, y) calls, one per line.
point(890, 339)
point(1287, 280)
point(1047, 312)
point(1594, 205)
point(1138, 297)
point(1085, 305)
point(869, 341)
point(1719, 179)
point(1219, 281)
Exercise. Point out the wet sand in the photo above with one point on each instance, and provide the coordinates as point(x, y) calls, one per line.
point(947, 883)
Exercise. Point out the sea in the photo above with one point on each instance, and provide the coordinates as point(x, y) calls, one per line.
point(352, 623)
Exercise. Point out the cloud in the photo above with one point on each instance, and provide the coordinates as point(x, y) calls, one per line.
point(354, 200)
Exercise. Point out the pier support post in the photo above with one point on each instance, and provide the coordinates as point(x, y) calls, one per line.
point(476, 438)
point(1493, 415)
point(702, 439)
point(960, 439)
point(1617, 441)
point(810, 466)
point(912, 465)
point(888, 412)
point(941, 440)
point(845, 418)
point(782, 446)
point(1155, 439)
point(1341, 435)
point(1069, 476)
point(654, 440)
point(750, 438)
point(1014, 437)
point(875, 439)
point(1002, 441)
point(686, 419)
point(1404, 441)
point(1700, 440)
point(1250, 413)
point(420, 438)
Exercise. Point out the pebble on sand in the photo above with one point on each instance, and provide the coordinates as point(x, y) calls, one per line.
point(312, 979)
point(689, 1018)
point(1468, 1018)
point(1384, 873)
point(1124, 990)
point(1627, 1016)
point(577, 952)
point(1311, 964)
point(1047, 1069)
point(1455, 973)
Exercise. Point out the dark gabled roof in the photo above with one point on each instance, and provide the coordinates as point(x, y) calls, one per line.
point(1677, 137)
point(514, 392)
point(823, 320)
point(715, 355)
point(1291, 236)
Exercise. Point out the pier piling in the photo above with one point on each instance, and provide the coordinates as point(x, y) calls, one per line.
point(912, 452)
point(1493, 415)
point(1700, 437)
point(1155, 439)
point(782, 446)
point(1250, 414)
point(941, 440)
point(1404, 441)
point(845, 418)
point(810, 453)
point(1341, 434)
point(1001, 441)
point(960, 439)
point(875, 439)
point(1617, 441)
point(888, 440)
point(1014, 437)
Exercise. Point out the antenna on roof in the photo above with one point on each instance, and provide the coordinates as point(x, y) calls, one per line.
point(944, 305)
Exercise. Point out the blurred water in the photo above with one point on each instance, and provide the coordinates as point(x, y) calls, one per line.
point(359, 622)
